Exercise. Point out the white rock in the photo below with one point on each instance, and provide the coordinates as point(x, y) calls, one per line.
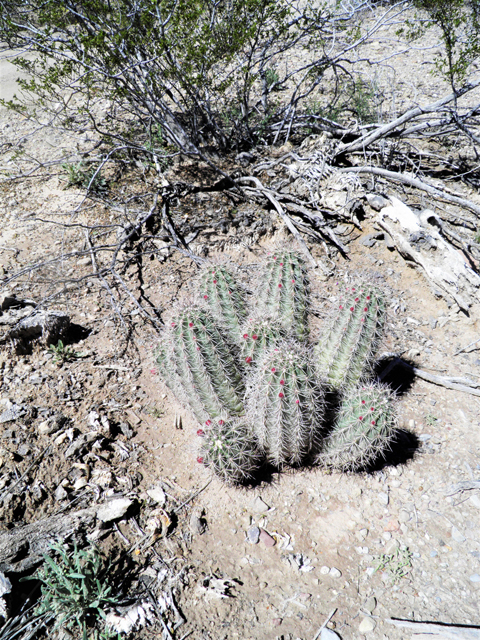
point(367, 625)
point(335, 573)
point(324, 570)
point(114, 509)
point(328, 634)
point(157, 495)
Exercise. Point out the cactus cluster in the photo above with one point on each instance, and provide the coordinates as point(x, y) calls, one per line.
point(258, 387)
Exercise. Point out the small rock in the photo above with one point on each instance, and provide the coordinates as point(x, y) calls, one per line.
point(377, 202)
point(370, 604)
point(276, 622)
point(114, 509)
point(324, 570)
point(23, 450)
point(475, 578)
point(253, 535)
point(60, 493)
point(404, 516)
point(367, 625)
point(267, 539)
point(457, 535)
point(361, 535)
point(79, 483)
point(157, 494)
point(13, 413)
point(258, 506)
point(328, 634)
point(392, 525)
point(335, 573)
point(383, 498)
point(198, 524)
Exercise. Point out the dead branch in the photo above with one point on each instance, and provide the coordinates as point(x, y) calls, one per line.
point(444, 630)
point(468, 485)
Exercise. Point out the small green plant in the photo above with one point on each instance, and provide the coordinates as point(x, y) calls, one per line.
point(271, 78)
point(397, 564)
point(86, 177)
point(63, 353)
point(430, 420)
point(75, 589)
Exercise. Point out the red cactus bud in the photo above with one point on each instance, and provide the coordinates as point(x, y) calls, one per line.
point(200, 460)
point(357, 299)
point(254, 337)
point(340, 307)
point(373, 422)
point(351, 308)
point(208, 423)
point(280, 395)
point(282, 382)
point(214, 282)
point(281, 264)
point(372, 408)
point(230, 293)
point(274, 257)
point(206, 297)
point(293, 281)
point(366, 309)
point(248, 360)
point(363, 401)
point(368, 297)
point(245, 335)
point(190, 324)
point(297, 401)
point(360, 418)
point(200, 432)
point(220, 422)
point(280, 286)
point(273, 369)
point(173, 324)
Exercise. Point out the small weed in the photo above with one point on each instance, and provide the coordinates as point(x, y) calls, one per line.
point(155, 412)
point(74, 589)
point(272, 78)
point(63, 353)
point(430, 420)
point(397, 564)
point(86, 177)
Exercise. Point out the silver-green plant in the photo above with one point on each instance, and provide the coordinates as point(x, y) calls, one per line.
point(283, 292)
point(285, 404)
point(362, 431)
point(75, 588)
point(229, 448)
point(200, 365)
point(225, 298)
point(346, 349)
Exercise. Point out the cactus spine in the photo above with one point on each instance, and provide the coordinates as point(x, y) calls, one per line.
point(284, 292)
point(259, 336)
point(224, 298)
point(362, 431)
point(198, 364)
point(285, 405)
point(345, 351)
point(229, 449)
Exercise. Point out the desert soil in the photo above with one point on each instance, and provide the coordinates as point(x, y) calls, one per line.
point(388, 544)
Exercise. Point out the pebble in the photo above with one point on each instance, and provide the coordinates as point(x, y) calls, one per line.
point(457, 535)
point(475, 577)
point(404, 516)
point(367, 625)
point(328, 634)
point(114, 509)
point(383, 498)
point(361, 535)
point(60, 493)
point(276, 622)
point(335, 573)
point(392, 525)
point(370, 604)
point(267, 539)
point(324, 570)
point(253, 535)
point(157, 495)
point(259, 506)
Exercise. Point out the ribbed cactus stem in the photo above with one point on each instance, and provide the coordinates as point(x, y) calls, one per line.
point(345, 350)
point(284, 292)
point(198, 363)
point(362, 431)
point(285, 405)
point(224, 298)
point(228, 447)
point(260, 335)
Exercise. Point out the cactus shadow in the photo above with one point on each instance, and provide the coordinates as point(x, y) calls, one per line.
point(266, 475)
point(403, 447)
point(396, 373)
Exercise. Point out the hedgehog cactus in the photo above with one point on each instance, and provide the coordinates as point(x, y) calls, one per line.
point(345, 351)
point(198, 364)
point(362, 431)
point(259, 336)
point(224, 298)
point(285, 405)
point(229, 449)
point(284, 292)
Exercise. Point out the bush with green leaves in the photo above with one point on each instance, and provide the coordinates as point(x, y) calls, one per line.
point(75, 589)
point(278, 396)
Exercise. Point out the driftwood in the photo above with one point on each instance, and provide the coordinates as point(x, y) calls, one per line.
point(23, 547)
point(425, 630)
point(417, 238)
